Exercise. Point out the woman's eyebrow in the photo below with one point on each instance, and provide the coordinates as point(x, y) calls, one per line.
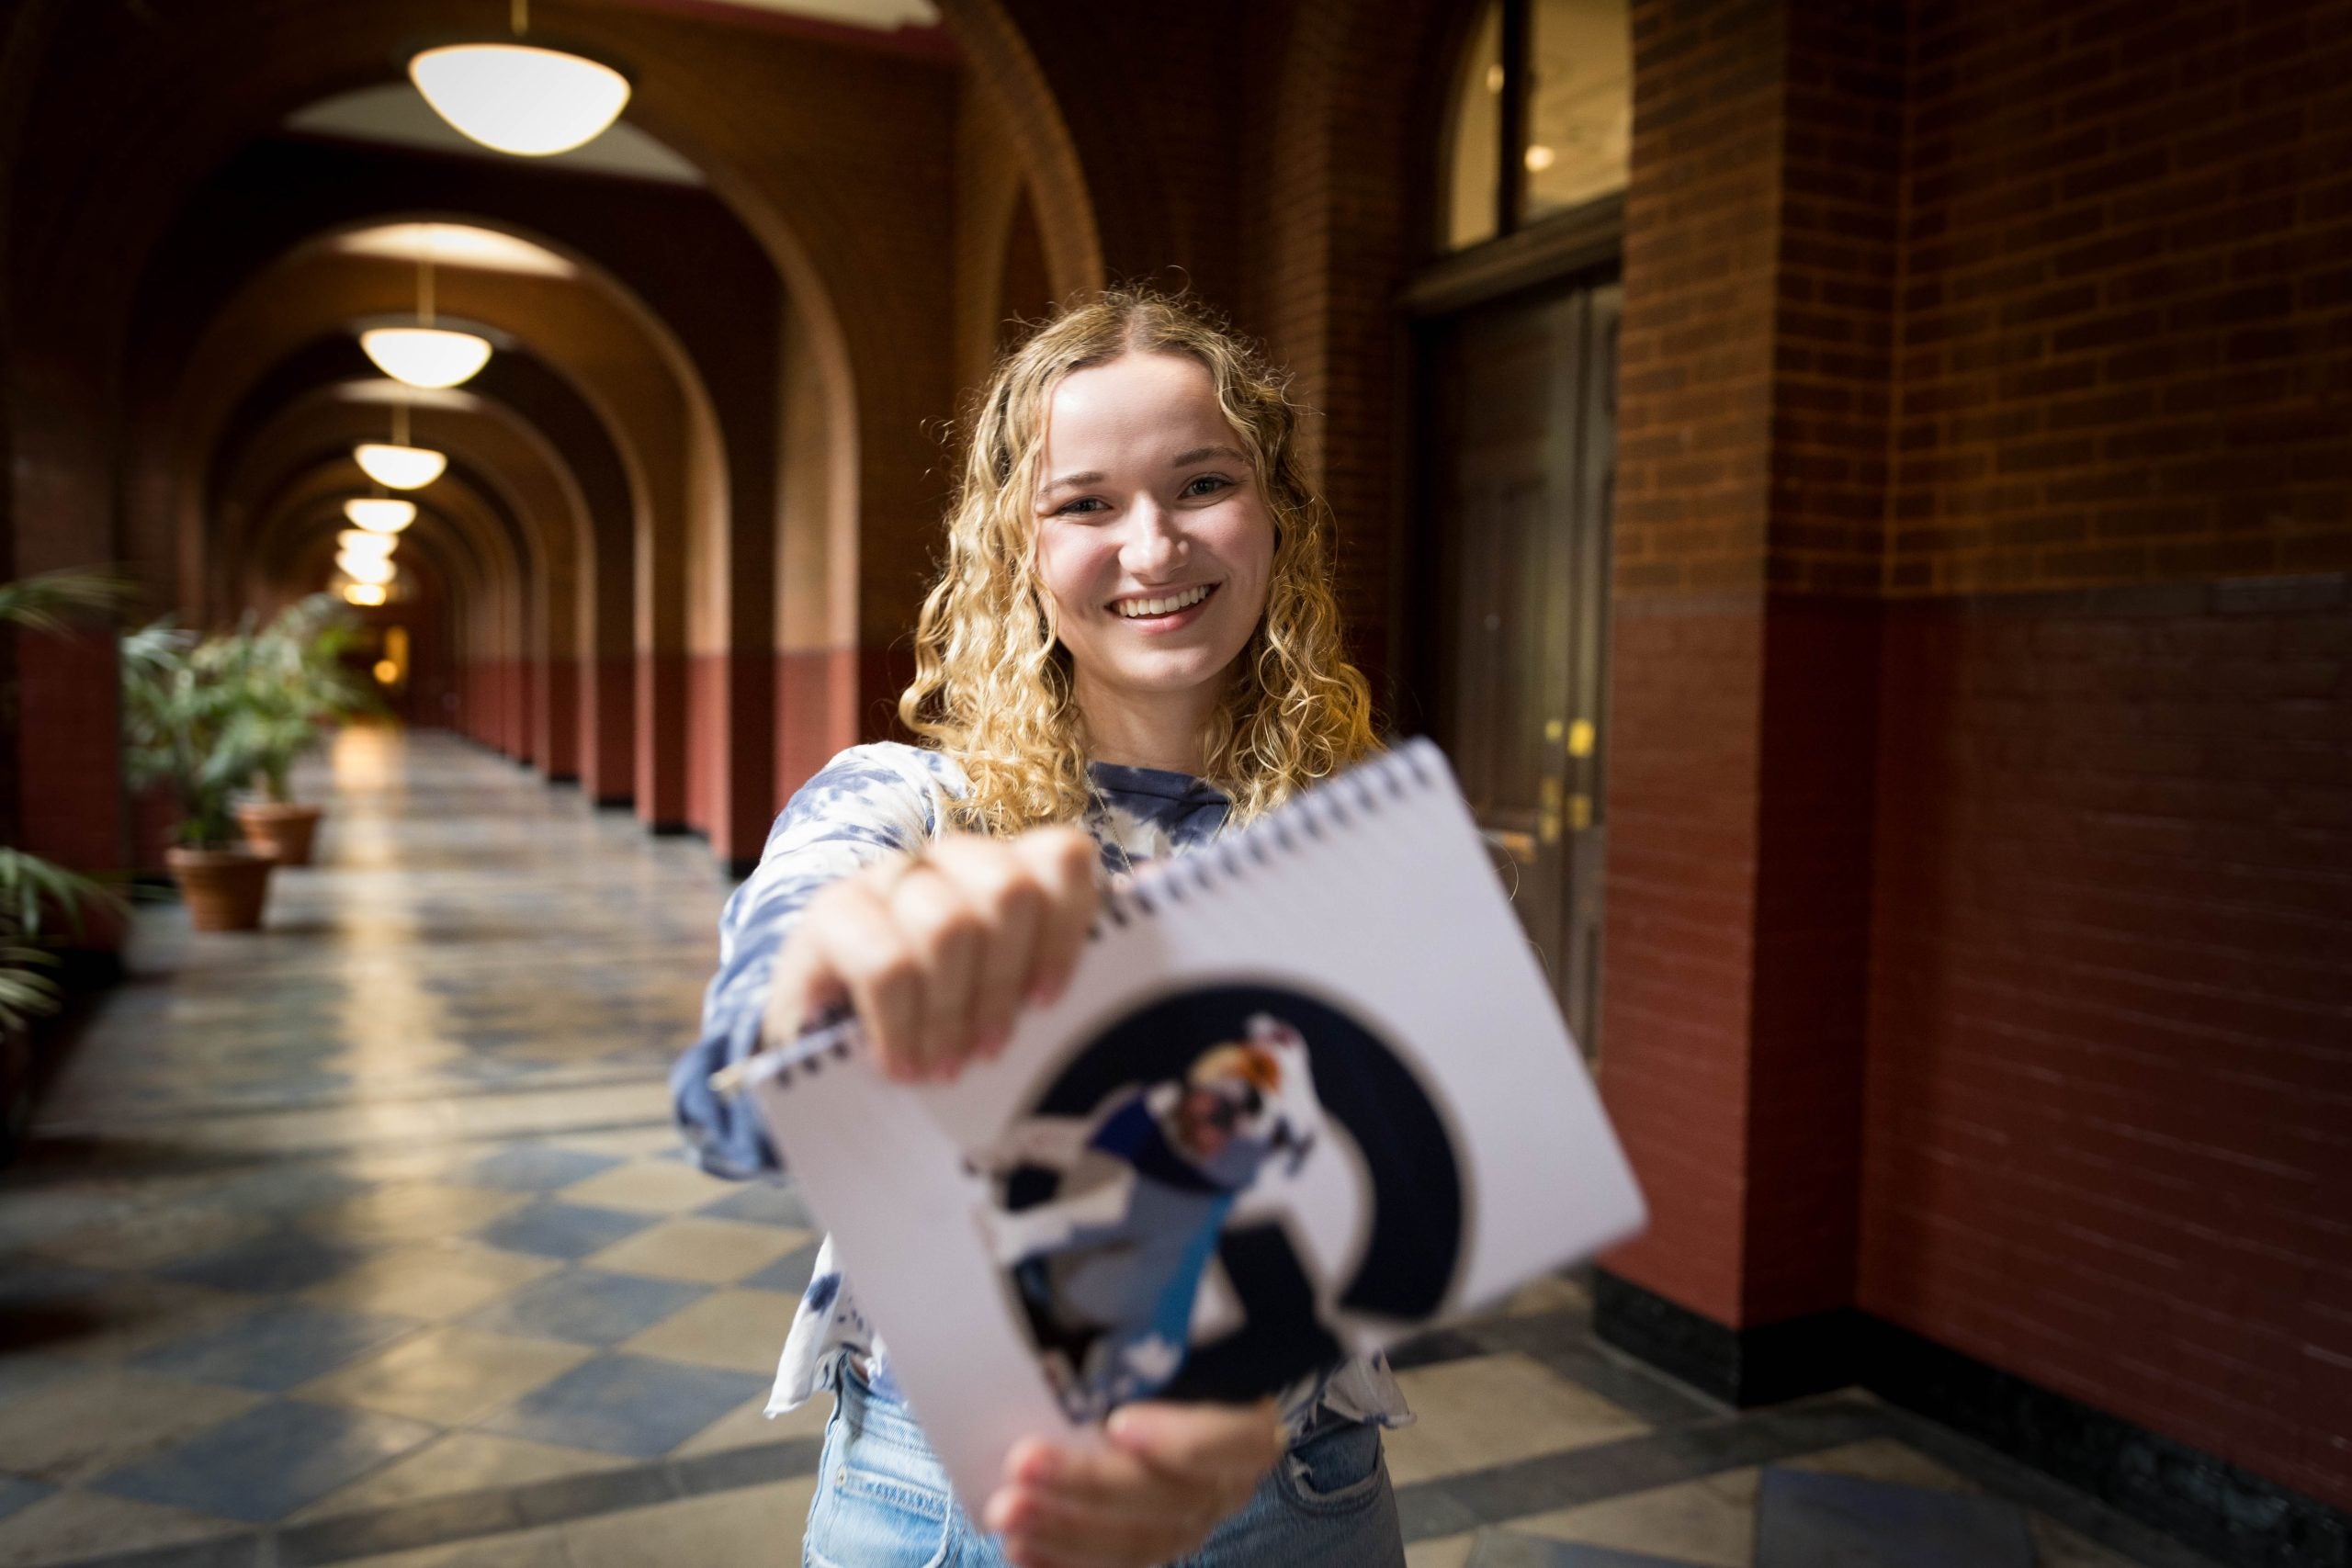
point(1181, 460)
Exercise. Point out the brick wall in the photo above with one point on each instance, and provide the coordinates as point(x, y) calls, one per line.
point(2104, 1102)
point(2126, 335)
point(1934, 307)
point(1339, 176)
point(1686, 634)
point(1834, 322)
point(1694, 354)
point(2112, 1013)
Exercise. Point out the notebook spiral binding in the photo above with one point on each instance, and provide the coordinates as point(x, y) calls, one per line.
point(1365, 789)
point(1362, 790)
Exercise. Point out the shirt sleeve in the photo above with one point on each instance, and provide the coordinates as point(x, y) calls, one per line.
point(866, 804)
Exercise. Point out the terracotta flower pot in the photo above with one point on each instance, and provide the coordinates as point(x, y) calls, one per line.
point(223, 888)
point(281, 831)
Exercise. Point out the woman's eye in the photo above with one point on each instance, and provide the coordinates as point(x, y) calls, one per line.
point(1207, 484)
point(1085, 505)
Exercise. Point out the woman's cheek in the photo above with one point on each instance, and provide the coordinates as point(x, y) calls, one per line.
point(1060, 565)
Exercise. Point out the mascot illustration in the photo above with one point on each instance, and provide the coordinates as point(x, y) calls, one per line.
point(1109, 1267)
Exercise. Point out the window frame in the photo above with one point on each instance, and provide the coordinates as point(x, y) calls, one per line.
point(1514, 49)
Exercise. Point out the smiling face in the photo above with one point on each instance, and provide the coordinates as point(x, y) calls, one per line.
point(1205, 1122)
point(1154, 541)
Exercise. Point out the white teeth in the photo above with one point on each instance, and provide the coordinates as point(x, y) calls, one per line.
point(1131, 608)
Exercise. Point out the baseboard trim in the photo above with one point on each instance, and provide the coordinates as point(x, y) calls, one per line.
point(2196, 1497)
point(1740, 1367)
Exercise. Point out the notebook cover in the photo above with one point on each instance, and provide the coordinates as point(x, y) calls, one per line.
point(1308, 1093)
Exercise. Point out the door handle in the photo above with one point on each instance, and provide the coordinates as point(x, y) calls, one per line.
point(1519, 846)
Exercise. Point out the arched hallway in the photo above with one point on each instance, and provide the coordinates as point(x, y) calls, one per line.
point(369, 1241)
point(1858, 493)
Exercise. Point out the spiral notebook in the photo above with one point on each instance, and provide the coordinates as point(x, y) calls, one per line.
point(1308, 1093)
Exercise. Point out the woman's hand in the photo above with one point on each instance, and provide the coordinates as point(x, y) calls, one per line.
point(936, 952)
point(1171, 1475)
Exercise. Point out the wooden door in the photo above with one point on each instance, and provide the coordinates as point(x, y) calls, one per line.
point(1515, 544)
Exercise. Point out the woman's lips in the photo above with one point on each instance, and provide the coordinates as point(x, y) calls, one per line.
point(1183, 605)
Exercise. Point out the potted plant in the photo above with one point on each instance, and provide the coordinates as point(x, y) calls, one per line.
point(296, 684)
point(183, 701)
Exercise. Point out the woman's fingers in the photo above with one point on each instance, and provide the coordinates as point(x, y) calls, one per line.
point(946, 934)
point(859, 944)
point(937, 954)
point(1011, 907)
point(1062, 860)
point(1234, 1442)
point(1044, 1530)
point(800, 986)
point(1171, 1473)
point(1095, 1508)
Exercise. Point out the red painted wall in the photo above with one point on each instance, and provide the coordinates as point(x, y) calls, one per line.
point(2032, 817)
point(2111, 1088)
point(608, 737)
point(815, 692)
point(71, 799)
point(662, 739)
point(706, 746)
point(2108, 1140)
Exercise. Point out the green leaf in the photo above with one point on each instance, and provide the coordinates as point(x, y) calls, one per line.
point(51, 601)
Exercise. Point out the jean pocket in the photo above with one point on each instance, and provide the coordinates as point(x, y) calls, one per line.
point(1334, 1471)
point(874, 1506)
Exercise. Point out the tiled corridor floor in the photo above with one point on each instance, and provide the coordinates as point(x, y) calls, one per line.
point(364, 1240)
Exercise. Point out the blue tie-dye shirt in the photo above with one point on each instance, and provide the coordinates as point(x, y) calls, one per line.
point(868, 804)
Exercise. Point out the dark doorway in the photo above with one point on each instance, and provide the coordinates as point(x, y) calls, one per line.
point(1511, 674)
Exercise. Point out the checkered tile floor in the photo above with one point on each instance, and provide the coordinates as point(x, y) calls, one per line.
point(365, 1240)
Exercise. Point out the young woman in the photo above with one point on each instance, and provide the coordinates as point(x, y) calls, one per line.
point(1132, 644)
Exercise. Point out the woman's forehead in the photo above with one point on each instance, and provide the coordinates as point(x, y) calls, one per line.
point(1128, 409)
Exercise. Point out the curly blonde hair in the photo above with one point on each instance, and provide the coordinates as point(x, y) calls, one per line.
point(993, 687)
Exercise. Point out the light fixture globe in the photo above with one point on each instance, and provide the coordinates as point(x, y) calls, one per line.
point(360, 542)
point(399, 468)
point(365, 568)
point(380, 514)
point(516, 97)
point(370, 594)
point(425, 356)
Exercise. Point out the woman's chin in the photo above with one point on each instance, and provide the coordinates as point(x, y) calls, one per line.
point(1167, 673)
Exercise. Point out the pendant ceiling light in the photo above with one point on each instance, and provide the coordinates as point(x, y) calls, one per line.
point(517, 97)
point(424, 355)
point(360, 542)
point(380, 514)
point(365, 568)
point(400, 468)
point(397, 465)
point(369, 593)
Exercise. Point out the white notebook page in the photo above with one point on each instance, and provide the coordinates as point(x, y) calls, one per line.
point(1445, 1147)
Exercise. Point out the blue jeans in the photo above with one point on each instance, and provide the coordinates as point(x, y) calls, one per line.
point(884, 1502)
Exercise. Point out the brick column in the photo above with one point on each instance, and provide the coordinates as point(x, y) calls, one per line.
point(1753, 388)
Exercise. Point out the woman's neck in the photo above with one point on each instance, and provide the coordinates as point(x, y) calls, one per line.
point(1162, 729)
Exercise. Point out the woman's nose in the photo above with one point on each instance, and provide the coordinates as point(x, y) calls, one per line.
point(1153, 546)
